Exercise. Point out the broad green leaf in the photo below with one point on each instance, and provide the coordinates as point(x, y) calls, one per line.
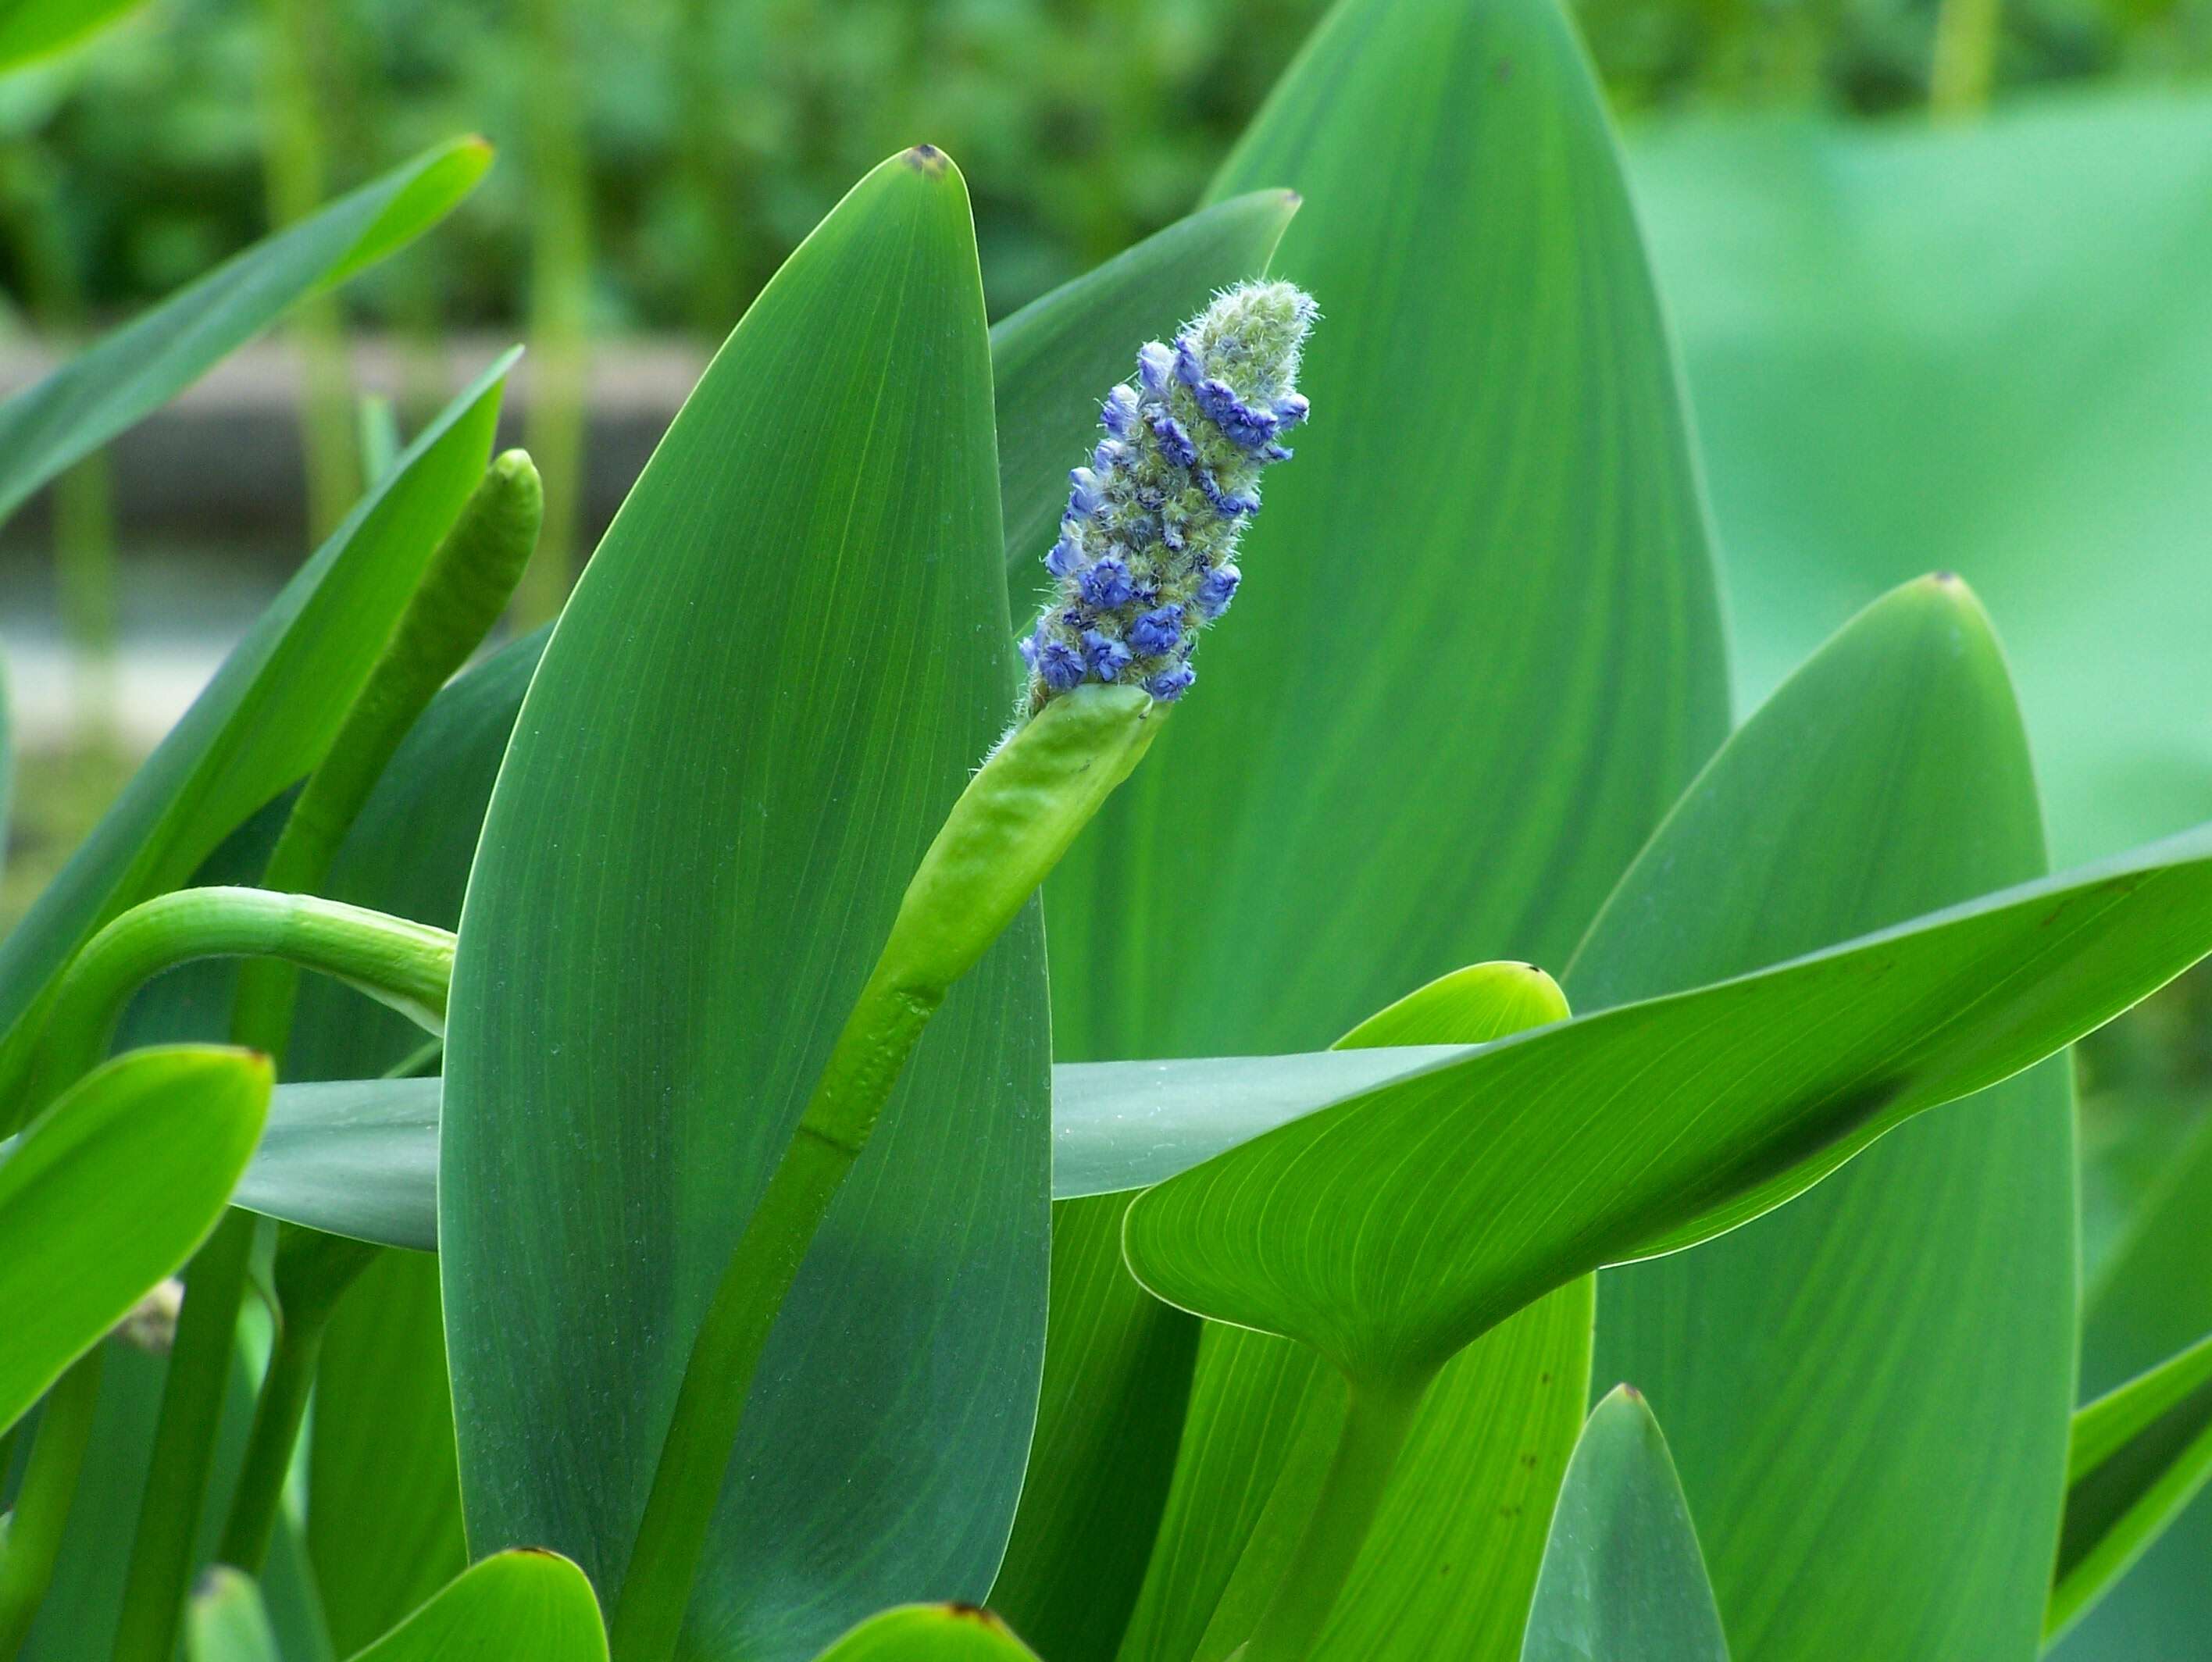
point(110, 1191)
point(1478, 650)
point(1440, 1575)
point(263, 719)
point(2152, 1299)
point(141, 367)
point(2140, 1454)
point(352, 1157)
point(1623, 1576)
point(931, 1633)
point(1648, 1128)
point(1054, 360)
point(1835, 1375)
point(384, 1522)
point(768, 688)
point(1978, 346)
point(526, 1603)
point(31, 29)
point(228, 1622)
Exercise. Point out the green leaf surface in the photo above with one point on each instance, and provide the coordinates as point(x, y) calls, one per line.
point(1835, 1375)
point(265, 719)
point(383, 1528)
point(2140, 1454)
point(1649, 1127)
point(931, 1633)
point(767, 690)
point(109, 1192)
point(1439, 1575)
point(1477, 651)
point(228, 1622)
point(2152, 1299)
point(141, 367)
point(1981, 346)
point(32, 29)
point(1623, 1576)
point(1054, 360)
point(526, 1603)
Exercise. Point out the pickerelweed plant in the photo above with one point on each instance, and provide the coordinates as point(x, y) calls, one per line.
point(695, 1208)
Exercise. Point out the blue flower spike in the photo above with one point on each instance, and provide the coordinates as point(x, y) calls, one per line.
point(1146, 553)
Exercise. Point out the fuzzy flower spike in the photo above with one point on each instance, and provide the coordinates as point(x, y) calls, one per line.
point(1146, 555)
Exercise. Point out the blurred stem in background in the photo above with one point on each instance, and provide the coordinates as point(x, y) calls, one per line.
point(1963, 67)
point(560, 298)
point(709, 190)
point(83, 497)
point(297, 45)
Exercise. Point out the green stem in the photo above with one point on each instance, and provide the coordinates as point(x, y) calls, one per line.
point(463, 589)
point(406, 965)
point(160, 1570)
point(1965, 60)
point(1375, 1421)
point(42, 1505)
point(1009, 828)
point(314, 1272)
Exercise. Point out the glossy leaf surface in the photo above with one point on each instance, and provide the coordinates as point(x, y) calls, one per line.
point(109, 1192)
point(1449, 1565)
point(1649, 1127)
point(1623, 1576)
point(931, 1633)
point(521, 1604)
point(768, 688)
point(1833, 1376)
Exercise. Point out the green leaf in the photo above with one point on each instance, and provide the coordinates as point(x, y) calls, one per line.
point(769, 688)
point(141, 367)
point(109, 1192)
point(384, 1524)
point(1622, 1574)
point(1918, 1309)
point(1440, 1576)
point(353, 1157)
point(2140, 1454)
point(1649, 1127)
point(931, 1633)
point(228, 1622)
point(1980, 346)
point(32, 29)
point(269, 711)
point(526, 1603)
point(1477, 651)
point(1054, 360)
point(76, 1622)
point(2152, 1299)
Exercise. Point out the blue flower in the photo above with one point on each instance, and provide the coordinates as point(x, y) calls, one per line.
point(1118, 415)
point(1170, 683)
point(1105, 583)
point(1107, 656)
point(1146, 556)
point(1216, 589)
point(1158, 632)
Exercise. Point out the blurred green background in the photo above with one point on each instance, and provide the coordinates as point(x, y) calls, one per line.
point(701, 140)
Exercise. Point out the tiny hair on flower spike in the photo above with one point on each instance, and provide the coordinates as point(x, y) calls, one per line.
point(1145, 557)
